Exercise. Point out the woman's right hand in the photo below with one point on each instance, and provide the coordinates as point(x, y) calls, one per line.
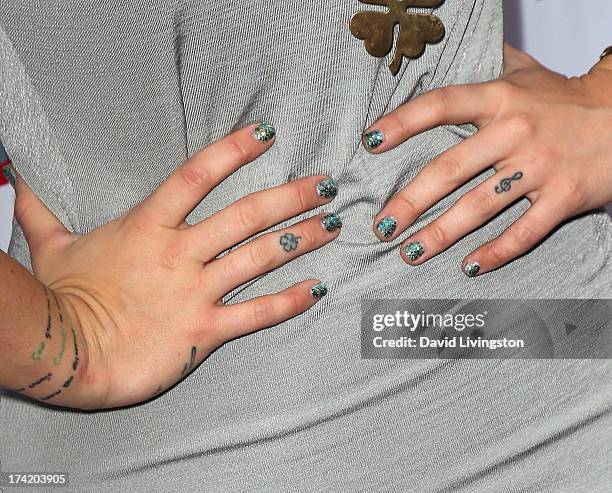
point(144, 291)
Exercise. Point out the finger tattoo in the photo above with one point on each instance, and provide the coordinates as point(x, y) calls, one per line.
point(506, 184)
point(289, 242)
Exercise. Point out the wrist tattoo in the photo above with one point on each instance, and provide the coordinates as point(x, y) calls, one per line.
point(75, 361)
point(290, 242)
point(36, 355)
point(58, 359)
point(36, 383)
point(48, 329)
point(506, 184)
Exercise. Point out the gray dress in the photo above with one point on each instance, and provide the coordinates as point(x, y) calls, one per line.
point(99, 101)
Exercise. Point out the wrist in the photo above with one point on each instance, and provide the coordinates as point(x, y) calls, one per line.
point(89, 390)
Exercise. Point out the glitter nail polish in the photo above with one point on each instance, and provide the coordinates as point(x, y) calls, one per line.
point(387, 226)
point(331, 222)
point(414, 250)
point(472, 269)
point(327, 188)
point(9, 174)
point(264, 132)
point(318, 290)
point(373, 139)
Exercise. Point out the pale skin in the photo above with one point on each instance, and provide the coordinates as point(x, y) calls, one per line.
point(97, 326)
point(143, 292)
point(545, 135)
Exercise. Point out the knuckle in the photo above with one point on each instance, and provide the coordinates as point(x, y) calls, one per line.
point(438, 233)
point(259, 256)
point(172, 256)
point(294, 302)
point(442, 99)
point(249, 217)
point(398, 123)
point(505, 93)
point(138, 222)
point(302, 197)
point(263, 313)
point(496, 254)
point(310, 235)
point(523, 237)
point(406, 204)
point(575, 191)
point(194, 176)
point(238, 150)
point(521, 125)
point(481, 203)
point(449, 168)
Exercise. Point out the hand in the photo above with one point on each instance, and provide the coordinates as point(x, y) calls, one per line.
point(145, 289)
point(546, 137)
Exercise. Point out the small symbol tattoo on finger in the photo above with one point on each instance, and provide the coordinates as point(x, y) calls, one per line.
point(506, 184)
point(289, 242)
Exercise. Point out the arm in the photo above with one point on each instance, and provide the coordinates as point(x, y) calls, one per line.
point(40, 343)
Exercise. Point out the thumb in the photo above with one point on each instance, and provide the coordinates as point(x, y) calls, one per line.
point(43, 231)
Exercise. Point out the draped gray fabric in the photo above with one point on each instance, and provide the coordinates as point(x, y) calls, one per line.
point(100, 101)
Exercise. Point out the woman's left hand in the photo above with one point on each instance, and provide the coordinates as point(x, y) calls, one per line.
point(546, 136)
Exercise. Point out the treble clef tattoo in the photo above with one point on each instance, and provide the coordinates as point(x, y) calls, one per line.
point(506, 184)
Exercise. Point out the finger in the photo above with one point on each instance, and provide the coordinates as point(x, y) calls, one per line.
point(43, 231)
point(470, 212)
point(258, 212)
point(270, 251)
point(266, 311)
point(531, 228)
point(452, 105)
point(185, 188)
point(441, 176)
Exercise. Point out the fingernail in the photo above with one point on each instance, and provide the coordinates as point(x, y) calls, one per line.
point(327, 188)
point(318, 290)
point(373, 139)
point(387, 226)
point(264, 132)
point(9, 174)
point(414, 250)
point(331, 222)
point(472, 269)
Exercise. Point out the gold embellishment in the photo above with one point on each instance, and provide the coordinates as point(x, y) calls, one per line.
point(416, 30)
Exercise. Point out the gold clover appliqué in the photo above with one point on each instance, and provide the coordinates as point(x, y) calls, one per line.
point(416, 29)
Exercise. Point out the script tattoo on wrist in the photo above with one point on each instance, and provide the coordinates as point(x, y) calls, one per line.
point(37, 355)
point(36, 382)
point(62, 350)
point(506, 184)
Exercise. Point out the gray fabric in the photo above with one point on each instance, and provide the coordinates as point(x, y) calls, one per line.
point(121, 92)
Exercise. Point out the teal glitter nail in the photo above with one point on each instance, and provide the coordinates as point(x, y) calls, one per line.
point(414, 250)
point(372, 140)
point(387, 226)
point(264, 132)
point(9, 174)
point(472, 269)
point(328, 188)
point(331, 222)
point(319, 290)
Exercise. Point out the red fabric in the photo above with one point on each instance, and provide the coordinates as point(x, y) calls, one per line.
point(3, 180)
